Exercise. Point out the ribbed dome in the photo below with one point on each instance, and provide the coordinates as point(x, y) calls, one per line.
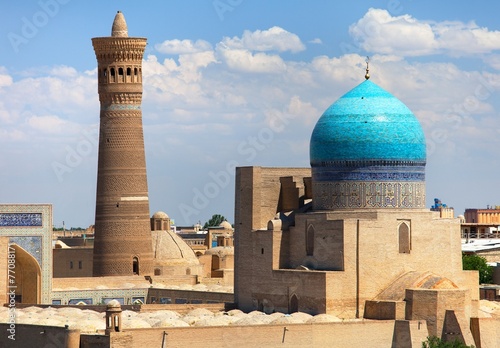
point(168, 248)
point(367, 123)
point(368, 151)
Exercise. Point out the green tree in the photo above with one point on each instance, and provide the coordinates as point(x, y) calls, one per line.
point(478, 263)
point(215, 220)
point(436, 342)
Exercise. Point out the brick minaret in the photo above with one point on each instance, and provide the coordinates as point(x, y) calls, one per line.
point(122, 226)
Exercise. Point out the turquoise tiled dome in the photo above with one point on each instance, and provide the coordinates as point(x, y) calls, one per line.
point(367, 123)
point(368, 151)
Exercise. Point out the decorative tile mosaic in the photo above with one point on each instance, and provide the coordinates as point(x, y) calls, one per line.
point(32, 244)
point(121, 107)
point(124, 296)
point(348, 195)
point(106, 300)
point(371, 171)
point(20, 219)
point(87, 301)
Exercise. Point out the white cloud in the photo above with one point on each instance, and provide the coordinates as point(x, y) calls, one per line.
point(316, 41)
point(350, 67)
point(5, 80)
point(273, 39)
point(380, 32)
point(305, 111)
point(191, 64)
point(64, 71)
point(459, 38)
point(51, 124)
point(246, 61)
point(9, 136)
point(183, 46)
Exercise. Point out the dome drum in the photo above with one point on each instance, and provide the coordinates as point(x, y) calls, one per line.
point(366, 194)
point(371, 170)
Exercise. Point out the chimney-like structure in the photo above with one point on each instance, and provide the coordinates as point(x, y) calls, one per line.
point(122, 243)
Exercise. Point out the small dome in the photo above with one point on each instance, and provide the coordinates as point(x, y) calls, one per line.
point(221, 251)
point(160, 215)
point(414, 280)
point(119, 28)
point(226, 225)
point(171, 249)
point(113, 304)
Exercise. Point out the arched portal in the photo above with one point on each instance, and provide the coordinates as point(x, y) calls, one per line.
point(27, 276)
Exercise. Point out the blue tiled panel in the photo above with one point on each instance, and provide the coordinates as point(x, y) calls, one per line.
point(20, 219)
point(367, 123)
point(120, 300)
point(32, 244)
point(124, 296)
point(369, 171)
point(87, 301)
point(121, 107)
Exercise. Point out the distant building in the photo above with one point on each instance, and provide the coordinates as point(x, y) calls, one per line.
point(483, 216)
point(481, 223)
point(480, 232)
point(445, 212)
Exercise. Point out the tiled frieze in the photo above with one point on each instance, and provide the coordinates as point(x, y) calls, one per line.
point(348, 195)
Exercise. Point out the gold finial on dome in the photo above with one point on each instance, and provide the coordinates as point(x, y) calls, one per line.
point(119, 26)
point(367, 75)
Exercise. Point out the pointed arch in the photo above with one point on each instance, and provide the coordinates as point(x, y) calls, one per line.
point(404, 238)
point(27, 276)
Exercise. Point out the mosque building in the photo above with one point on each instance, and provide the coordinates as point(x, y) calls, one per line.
point(352, 236)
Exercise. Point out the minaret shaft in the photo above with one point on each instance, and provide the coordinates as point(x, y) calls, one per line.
point(122, 244)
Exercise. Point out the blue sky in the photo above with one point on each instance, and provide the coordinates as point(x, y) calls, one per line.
point(240, 82)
